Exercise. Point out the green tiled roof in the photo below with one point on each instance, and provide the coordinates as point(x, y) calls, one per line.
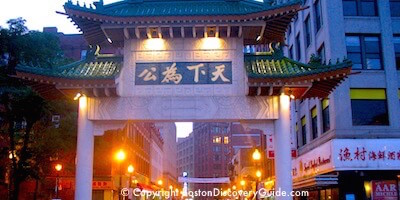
point(95, 66)
point(276, 66)
point(156, 8)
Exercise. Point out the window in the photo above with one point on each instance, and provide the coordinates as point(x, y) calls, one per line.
point(395, 8)
point(318, 15)
point(321, 53)
point(217, 140)
point(364, 51)
point(314, 123)
point(226, 140)
point(369, 107)
point(326, 123)
point(298, 136)
point(303, 131)
point(396, 40)
point(217, 149)
point(307, 25)
point(298, 47)
point(359, 8)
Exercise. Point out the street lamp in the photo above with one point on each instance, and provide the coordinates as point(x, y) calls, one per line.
point(120, 156)
point(242, 183)
point(160, 182)
point(258, 175)
point(256, 155)
point(58, 168)
point(131, 169)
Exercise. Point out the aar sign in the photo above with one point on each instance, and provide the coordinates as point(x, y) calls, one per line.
point(384, 190)
point(183, 73)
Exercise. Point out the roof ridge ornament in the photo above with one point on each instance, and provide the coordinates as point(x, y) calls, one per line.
point(315, 60)
point(268, 2)
point(99, 4)
point(93, 52)
point(276, 50)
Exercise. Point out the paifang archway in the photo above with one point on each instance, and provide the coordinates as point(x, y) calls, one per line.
point(184, 61)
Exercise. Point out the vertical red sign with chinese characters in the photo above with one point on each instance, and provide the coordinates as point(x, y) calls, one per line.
point(384, 190)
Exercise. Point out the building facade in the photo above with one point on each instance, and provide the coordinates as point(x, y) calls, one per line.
point(185, 156)
point(136, 140)
point(349, 142)
point(185, 159)
point(75, 47)
point(244, 142)
point(212, 151)
point(168, 134)
point(156, 157)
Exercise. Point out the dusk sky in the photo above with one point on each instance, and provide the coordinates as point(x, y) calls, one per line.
point(42, 13)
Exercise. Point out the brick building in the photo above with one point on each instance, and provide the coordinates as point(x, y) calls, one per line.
point(185, 157)
point(76, 47)
point(213, 152)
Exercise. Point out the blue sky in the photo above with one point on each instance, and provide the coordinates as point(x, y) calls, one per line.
point(42, 13)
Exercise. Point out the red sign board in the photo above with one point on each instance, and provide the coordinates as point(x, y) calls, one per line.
point(384, 190)
point(102, 185)
point(271, 154)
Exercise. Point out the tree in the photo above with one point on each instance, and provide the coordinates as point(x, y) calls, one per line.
point(22, 106)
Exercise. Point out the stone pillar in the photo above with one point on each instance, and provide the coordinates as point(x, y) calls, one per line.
point(84, 153)
point(283, 158)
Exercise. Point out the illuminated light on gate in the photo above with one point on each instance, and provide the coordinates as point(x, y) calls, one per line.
point(285, 102)
point(77, 96)
point(109, 40)
point(210, 43)
point(82, 102)
point(155, 44)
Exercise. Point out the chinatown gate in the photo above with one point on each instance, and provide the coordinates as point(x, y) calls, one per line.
point(184, 60)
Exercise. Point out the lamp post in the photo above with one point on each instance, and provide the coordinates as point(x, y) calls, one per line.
point(58, 168)
point(256, 158)
point(258, 175)
point(242, 184)
point(120, 156)
point(131, 169)
point(160, 183)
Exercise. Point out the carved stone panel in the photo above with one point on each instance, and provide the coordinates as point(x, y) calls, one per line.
point(172, 108)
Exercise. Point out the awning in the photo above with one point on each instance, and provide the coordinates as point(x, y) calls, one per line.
point(145, 187)
point(316, 181)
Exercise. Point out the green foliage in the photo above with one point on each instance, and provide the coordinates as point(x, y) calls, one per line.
point(56, 143)
point(29, 47)
point(17, 26)
point(36, 143)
